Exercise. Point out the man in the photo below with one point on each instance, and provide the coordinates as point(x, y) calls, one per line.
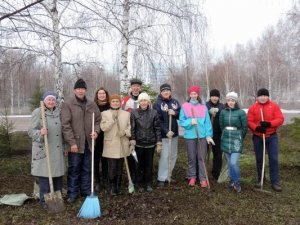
point(214, 108)
point(264, 117)
point(76, 119)
point(130, 103)
point(166, 105)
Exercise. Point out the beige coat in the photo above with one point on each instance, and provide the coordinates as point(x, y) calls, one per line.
point(77, 123)
point(114, 146)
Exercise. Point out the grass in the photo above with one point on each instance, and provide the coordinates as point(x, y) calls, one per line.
point(177, 204)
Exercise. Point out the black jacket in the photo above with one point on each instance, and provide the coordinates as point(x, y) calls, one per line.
point(145, 127)
point(162, 106)
point(216, 123)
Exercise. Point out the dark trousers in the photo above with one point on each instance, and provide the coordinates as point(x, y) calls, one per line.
point(145, 165)
point(45, 188)
point(79, 173)
point(217, 157)
point(115, 167)
point(272, 150)
point(104, 164)
point(132, 168)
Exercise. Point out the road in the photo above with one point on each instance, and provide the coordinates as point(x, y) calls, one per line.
point(21, 123)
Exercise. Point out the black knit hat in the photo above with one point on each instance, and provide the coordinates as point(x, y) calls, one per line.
point(263, 91)
point(214, 92)
point(135, 81)
point(165, 87)
point(80, 83)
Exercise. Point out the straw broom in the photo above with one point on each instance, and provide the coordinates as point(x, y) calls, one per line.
point(90, 209)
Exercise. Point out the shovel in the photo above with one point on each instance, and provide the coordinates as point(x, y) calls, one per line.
point(130, 183)
point(53, 199)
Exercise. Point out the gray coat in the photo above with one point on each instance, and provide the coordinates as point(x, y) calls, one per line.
point(77, 123)
point(55, 142)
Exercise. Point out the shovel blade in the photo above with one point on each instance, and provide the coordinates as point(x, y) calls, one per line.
point(54, 202)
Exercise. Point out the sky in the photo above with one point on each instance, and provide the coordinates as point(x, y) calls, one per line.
point(238, 21)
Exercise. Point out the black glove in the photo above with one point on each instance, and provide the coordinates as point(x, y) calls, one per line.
point(260, 129)
point(265, 124)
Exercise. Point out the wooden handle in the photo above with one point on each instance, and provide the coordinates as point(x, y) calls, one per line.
point(47, 148)
point(93, 148)
point(264, 153)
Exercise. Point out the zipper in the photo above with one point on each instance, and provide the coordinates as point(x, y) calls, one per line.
point(230, 126)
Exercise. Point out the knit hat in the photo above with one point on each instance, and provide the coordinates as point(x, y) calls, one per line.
point(80, 83)
point(263, 91)
point(144, 96)
point(194, 89)
point(114, 96)
point(214, 92)
point(135, 81)
point(49, 94)
point(165, 87)
point(232, 95)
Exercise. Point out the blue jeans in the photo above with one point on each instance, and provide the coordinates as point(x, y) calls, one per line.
point(272, 150)
point(233, 166)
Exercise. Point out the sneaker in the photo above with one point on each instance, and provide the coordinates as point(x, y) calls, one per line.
point(229, 185)
point(71, 200)
point(237, 187)
point(192, 181)
point(257, 185)
point(277, 187)
point(149, 188)
point(160, 184)
point(43, 205)
point(203, 183)
point(142, 190)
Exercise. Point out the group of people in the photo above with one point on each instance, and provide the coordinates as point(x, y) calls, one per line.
point(135, 125)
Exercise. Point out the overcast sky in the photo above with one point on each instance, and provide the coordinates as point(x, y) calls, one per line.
point(238, 21)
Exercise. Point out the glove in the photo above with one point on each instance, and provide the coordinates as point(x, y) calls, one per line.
point(194, 121)
point(171, 112)
point(131, 148)
point(121, 133)
point(260, 129)
point(158, 147)
point(132, 142)
point(265, 124)
point(213, 111)
point(209, 140)
point(170, 134)
point(114, 114)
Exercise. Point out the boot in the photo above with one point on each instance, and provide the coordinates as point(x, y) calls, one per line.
point(97, 184)
point(105, 184)
point(113, 186)
point(119, 183)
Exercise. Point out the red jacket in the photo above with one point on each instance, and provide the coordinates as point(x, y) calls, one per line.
point(271, 113)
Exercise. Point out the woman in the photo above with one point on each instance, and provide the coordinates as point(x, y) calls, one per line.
point(233, 123)
point(194, 115)
point(102, 101)
point(146, 134)
point(115, 124)
point(56, 148)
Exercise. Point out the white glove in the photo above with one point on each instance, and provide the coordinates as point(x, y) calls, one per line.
point(213, 111)
point(171, 112)
point(170, 134)
point(194, 121)
point(131, 148)
point(209, 140)
point(158, 147)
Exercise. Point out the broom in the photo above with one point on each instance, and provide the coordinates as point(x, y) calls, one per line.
point(90, 209)
point(53, 199)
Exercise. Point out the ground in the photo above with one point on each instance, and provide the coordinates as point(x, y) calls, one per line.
point(177, 204)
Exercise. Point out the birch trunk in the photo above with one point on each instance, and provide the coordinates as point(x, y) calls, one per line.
point(124, 84)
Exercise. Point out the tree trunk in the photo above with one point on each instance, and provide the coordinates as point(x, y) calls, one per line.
point(124, 84)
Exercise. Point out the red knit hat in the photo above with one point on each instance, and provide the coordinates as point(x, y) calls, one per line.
point(114, 96)
point(194, 89)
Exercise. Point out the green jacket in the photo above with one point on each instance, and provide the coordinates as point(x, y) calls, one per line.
point(233, 123)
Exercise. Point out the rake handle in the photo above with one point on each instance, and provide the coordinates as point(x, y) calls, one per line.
point(264, 154)
point(198, 139)
point(170, 151)
point(47, 148)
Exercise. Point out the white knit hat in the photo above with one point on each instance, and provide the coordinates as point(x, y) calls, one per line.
point(232, 95)
point(144, 96)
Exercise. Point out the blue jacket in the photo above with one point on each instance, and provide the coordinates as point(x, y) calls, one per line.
point(203, 120)
point(161, 106)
